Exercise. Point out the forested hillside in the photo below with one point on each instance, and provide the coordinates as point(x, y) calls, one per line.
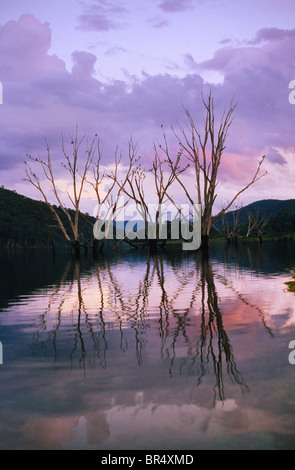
point(26, 222)
point(279, 217)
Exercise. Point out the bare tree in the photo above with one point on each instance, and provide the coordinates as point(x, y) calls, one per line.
point(134, 186)
point(256, 224)
point(261, 228)
point(205, 152)
point(163, 185)
point(108, 196)
point(252, 223)
point(77, 179)
point(230, 226)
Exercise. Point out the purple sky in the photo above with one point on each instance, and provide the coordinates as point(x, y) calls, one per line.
point(122, 69)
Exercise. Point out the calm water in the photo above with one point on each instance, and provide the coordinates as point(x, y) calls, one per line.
point(130, 352)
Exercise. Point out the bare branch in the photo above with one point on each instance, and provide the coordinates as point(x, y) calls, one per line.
point(205, 152)
point(77, 182)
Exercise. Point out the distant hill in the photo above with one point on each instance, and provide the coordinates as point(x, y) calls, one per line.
point(25, 222)
point(267, 208)
point(279, 213)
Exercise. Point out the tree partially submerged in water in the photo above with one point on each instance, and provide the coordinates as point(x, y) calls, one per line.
point(230, 227)
point(136, 187)
point(108, 194)
point(77, 179)
point(204, 150)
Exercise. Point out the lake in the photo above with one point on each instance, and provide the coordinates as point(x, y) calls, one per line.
point(175, 351)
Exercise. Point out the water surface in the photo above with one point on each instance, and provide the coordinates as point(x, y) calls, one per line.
point(173, 351)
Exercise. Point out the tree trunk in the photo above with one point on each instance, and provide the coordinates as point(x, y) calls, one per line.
point(205, 243)
point(153, 246)
point(95, 247)
point(76, 247)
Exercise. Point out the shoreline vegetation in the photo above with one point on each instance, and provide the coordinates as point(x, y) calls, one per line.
point(291, 284)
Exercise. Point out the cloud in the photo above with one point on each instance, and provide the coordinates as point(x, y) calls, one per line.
point(103, 16)
point(43, 99)
point(114, 51)
point(226, 41)
point(190, 61)
point(274, 156)
point(158, 22)
point(271, 48)
point(175, 6)
point(272, 34)
point(83, 64)
point(221, 59)
point(258, 77)
point(23, 50)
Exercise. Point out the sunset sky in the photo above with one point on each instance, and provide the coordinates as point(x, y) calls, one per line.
point(124, 68)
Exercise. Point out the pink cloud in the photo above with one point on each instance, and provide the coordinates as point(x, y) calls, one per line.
point(237, 167)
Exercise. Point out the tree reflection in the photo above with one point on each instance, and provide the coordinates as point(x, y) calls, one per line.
point(212, 324)
point(168, 306)
point(205, 343)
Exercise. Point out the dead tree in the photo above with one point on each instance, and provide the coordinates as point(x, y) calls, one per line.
point(230, 227)
point(261, 228)
point(252, 223)
point(204, 151)
point(71, 229)
point(162, 183)
point(134, 186)
point(256, 224)
point(108, 196)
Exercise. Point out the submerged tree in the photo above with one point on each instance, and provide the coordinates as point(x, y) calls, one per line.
point(256, 224)
point(230, 226)
point(252, 222)
point(71, 228)
point(108, 197)
point(136, 187)
point(205, 150)
point(261, 225)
